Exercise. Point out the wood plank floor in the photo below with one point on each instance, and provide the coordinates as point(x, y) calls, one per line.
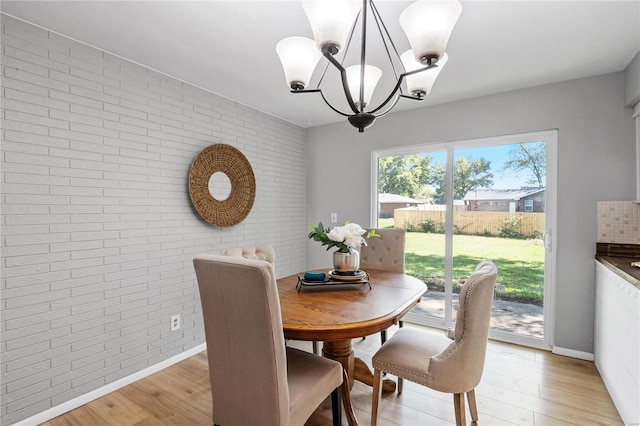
point(520, 386)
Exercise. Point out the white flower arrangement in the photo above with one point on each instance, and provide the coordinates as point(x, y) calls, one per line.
point(345, 238)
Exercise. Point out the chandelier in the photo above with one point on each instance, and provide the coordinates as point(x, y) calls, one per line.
point(426, 23)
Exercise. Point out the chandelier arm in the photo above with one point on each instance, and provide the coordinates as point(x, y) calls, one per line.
point(353, 29)
point(417, 70)
point(395, 102)
point(337, 64)
point(322, 76)
point(331, 106)
point(397, 87)
point(391, 95)
point(345, 83)
point(398, 84)
point(305, 91)
point(379, 22)
point(323, 98)
point(413, 98)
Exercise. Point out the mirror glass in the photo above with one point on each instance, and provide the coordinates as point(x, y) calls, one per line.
point(219, 186)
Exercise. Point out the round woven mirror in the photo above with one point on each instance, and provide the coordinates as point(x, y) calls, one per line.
point(222, 211)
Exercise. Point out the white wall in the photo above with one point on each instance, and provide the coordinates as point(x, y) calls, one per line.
point(98, 231)
point(596, 151)
point(632, 82)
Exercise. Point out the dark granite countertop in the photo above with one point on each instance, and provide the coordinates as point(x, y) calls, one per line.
point(622, 267)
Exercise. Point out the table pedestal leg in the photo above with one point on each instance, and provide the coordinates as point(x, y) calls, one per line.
point(341, 351)
point(363, 373)
point(356, 369)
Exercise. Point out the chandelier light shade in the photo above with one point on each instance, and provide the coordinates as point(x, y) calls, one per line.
point(331, 21)
point(427, 24)
point(420, 84)
point(299, 57)
point(371, 77)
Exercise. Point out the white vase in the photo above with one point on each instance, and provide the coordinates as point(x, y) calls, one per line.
point(346, 262)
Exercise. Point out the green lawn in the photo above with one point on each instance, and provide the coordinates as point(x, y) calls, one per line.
point(520, 262)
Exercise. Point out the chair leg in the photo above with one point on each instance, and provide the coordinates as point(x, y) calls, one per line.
point(377, 394)
point(400, 382)
point(336, 406)
point(458, 404)
point(315, 348)
point(471, 399)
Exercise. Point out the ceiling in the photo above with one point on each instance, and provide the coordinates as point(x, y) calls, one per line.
point(228, 47)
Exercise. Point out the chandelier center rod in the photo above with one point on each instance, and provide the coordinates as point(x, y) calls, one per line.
point(363, 53)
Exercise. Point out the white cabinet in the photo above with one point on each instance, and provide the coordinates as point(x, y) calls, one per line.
point(636, 115)
point(617, 341)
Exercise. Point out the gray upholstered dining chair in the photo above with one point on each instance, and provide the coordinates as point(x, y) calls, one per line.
point(451, 363)
point(385, 254)
point(260, 252)
point(255, 379)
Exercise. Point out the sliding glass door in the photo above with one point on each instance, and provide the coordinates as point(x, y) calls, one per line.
point(467, 201)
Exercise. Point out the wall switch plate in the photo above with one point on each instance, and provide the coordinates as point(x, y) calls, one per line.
point(175, 322)
point(334, 217)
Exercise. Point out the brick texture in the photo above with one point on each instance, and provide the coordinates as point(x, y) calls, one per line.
point(98, 231)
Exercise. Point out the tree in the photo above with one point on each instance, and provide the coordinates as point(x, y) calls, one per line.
point(404, 174)
point(531, 157)
point(467, 174)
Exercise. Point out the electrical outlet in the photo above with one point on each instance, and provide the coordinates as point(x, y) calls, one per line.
point(334, 217)
point(175, 322)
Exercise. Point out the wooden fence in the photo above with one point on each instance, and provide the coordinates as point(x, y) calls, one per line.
point(473, 223)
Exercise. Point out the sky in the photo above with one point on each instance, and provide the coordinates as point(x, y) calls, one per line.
point(498, 155)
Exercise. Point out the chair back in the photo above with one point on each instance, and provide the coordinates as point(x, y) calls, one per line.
point(245, 341)
point(258, 252)
point(458, 368)
point(385, 253)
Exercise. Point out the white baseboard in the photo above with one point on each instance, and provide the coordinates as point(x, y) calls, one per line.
point(587, 356)
point(113, 386)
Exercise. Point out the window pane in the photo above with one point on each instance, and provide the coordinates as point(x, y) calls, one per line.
point(411, 191)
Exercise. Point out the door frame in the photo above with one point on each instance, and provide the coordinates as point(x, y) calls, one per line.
point(550, 236)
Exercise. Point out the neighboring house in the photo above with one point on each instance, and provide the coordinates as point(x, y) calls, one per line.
point(526, 200)
point(389, 202)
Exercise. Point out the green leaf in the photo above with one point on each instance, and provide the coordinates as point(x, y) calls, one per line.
point(372, 233)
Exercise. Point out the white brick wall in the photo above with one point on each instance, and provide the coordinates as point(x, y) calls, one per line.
point(98, 231)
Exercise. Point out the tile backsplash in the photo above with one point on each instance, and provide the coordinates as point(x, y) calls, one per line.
point(618, 222)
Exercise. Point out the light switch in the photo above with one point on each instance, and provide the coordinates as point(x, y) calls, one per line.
point(334, 217)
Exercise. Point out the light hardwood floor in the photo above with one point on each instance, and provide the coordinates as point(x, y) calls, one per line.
point(520, 386)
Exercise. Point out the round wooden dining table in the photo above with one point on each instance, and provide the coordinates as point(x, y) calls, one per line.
point(336, 313)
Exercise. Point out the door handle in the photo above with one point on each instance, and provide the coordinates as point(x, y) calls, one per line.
point(546, 239)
